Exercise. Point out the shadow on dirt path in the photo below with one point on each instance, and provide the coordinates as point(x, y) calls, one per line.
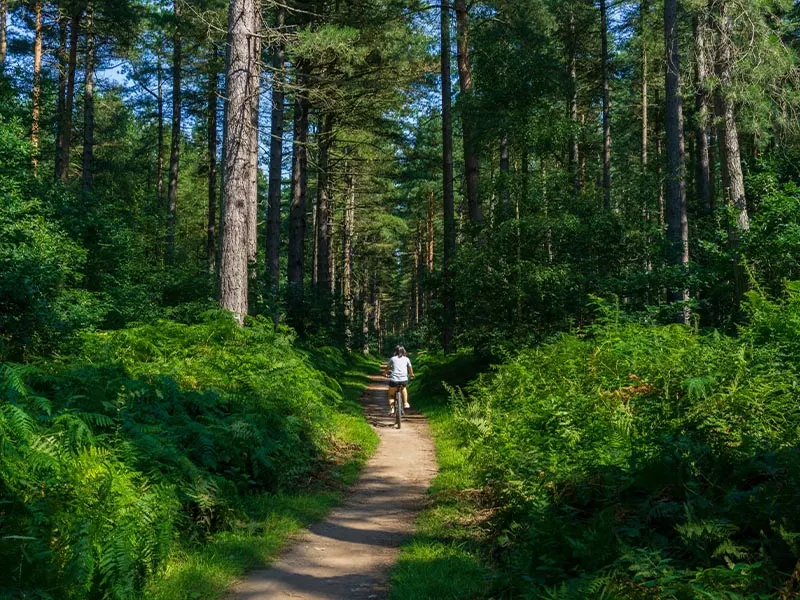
point(348, 555)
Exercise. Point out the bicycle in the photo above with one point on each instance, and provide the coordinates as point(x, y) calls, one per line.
point(399, 409)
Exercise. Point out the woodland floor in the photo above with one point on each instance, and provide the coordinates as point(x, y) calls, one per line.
point(349, 554)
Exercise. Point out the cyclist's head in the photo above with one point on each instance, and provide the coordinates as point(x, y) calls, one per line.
point(400, 351)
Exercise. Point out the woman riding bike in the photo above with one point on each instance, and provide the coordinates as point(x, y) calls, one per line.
point(400, 371)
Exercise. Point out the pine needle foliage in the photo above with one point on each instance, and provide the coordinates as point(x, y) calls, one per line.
point(633, 461)
point(150, 434)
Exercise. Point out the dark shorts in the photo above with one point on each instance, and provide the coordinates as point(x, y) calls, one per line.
point(396, 384)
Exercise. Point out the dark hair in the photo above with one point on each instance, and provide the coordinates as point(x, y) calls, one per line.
point(400, 351)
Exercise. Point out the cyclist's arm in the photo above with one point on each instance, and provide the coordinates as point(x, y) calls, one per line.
point(410, 369)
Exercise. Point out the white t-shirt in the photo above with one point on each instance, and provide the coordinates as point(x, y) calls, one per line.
point(398, 367)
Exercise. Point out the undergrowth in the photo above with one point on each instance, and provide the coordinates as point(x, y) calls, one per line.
point(632, 461)
point(160, 449)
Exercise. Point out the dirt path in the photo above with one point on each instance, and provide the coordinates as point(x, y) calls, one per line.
point(347, 556)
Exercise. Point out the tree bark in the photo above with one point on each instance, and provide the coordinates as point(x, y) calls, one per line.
point(62, 82)
point(701, 105)
point(275, 162)
point(548, 235)
point(4, 32)
point(65, 122)
point(728, 139)
point(36, 96)
point(366, 310)
point(643, 11)
point(415, 272)
point(471, 164)
point(677, 224)
point(347, 258)
point(574, 149)
point(428, 242)
point(160, 133)
point(448, 296)
point(660, 159)
point(297, 211)
point(175, 150)
point(88, 103)
point(211, 123)
point(314, 211)
point(606, 105)
point(505, 172)
point(323, 207)
point(727, 133)
point(255, 89)
point(376, 315)
point(238, 190)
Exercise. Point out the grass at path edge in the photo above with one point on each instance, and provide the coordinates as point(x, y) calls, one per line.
point(206, 572)
point(446, 558)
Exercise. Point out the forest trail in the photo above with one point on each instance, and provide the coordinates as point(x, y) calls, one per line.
point(348, 555)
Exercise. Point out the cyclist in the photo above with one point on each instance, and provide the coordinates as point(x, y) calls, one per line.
point(400, 371)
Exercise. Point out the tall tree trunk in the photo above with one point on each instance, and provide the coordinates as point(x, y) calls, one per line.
point(61, 54)
point(548, 235)
point(606, 105)
point(255, 89)
point(347, 257)
point(430, 240)
point(4, 32)
point(376, 315)
point(238, 189)
point(582, 158)
point(36, 96)
point(677, 224)
point(712, 163)
point(505, 174)
point(518, 262)
point(727, 133)
point(365, 319)
point(643, 12)
point(222, 210)
point(660, 160)
point(415, 269)
point(211, 124)
point(574, 149)
point(275, 163)
point(701, 104)
point(315, 232)
point(65, 121)
point(471, 164)
point(448, 296)
point(160, 134)
point(323, 208)
point(88, 103)
point(332, 261)
point(297, 211)
point(175, 150)
point(728, 137)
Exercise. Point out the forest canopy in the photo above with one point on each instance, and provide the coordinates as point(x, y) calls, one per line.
point(275, 179)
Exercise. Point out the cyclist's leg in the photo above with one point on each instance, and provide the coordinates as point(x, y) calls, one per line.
point(405, 397)
point(392, 392)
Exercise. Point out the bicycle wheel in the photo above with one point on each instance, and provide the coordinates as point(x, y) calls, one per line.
point(398, 407)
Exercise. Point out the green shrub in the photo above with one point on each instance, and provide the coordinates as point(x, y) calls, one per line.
point(640, 462)
point(150, 432)
point(77, 521)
